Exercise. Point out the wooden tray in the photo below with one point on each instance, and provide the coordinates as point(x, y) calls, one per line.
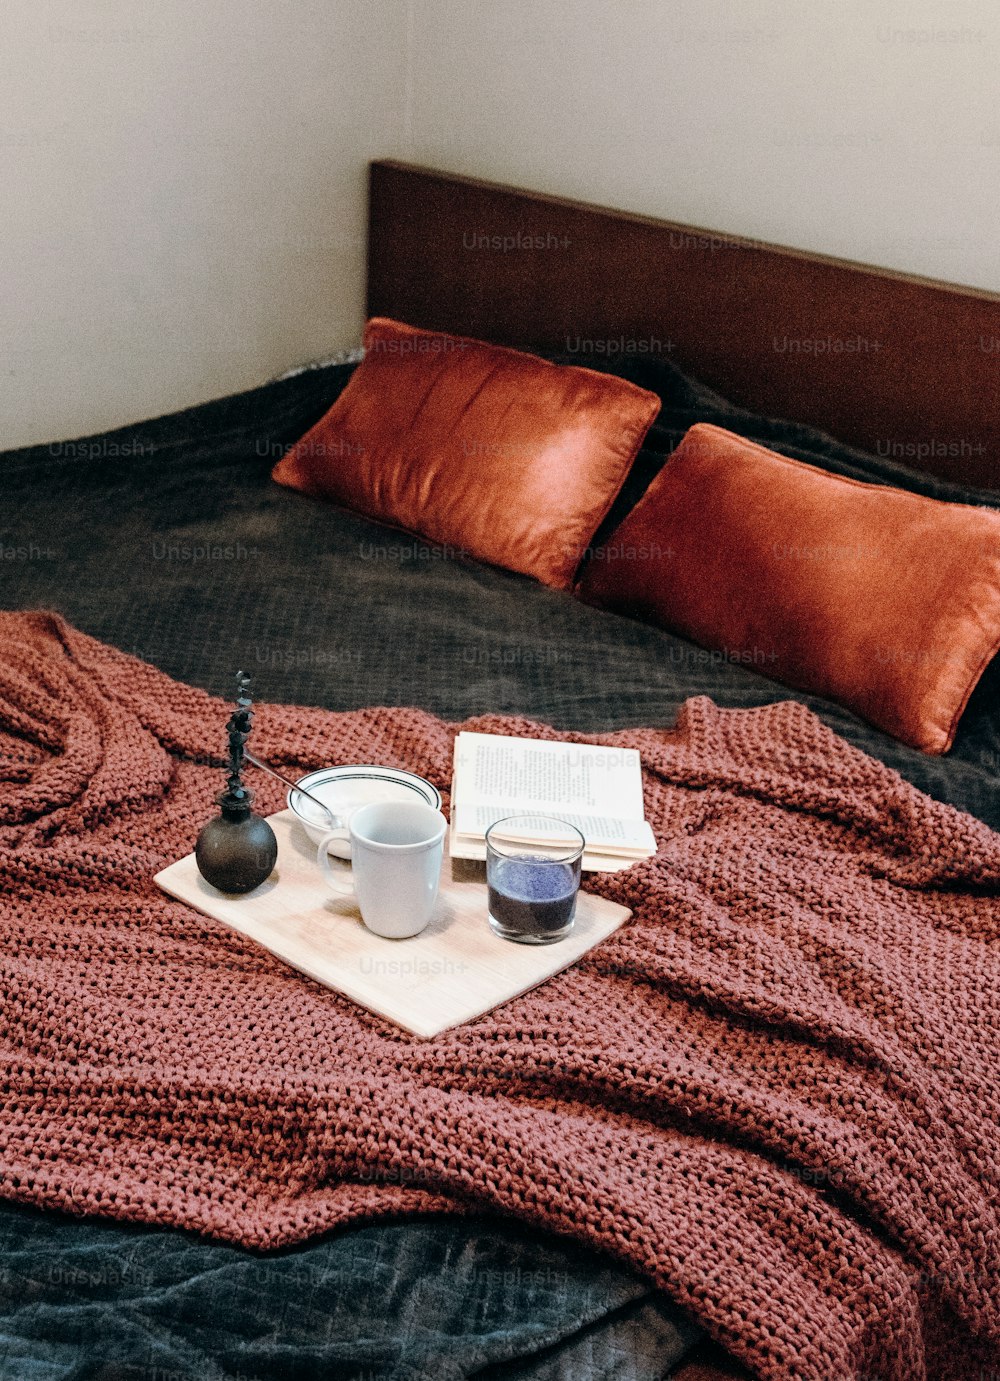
point(453, 971)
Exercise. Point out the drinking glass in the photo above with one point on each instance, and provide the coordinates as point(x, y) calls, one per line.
point(533, 865)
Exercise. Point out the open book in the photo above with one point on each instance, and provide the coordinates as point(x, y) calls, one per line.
point(599, 790)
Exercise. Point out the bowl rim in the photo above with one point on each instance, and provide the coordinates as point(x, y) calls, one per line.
point(372, 771)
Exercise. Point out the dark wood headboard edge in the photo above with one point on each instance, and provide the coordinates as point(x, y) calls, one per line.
point(637, 218)
point(898, 364)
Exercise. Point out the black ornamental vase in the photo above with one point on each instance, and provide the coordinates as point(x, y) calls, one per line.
point(237, 850)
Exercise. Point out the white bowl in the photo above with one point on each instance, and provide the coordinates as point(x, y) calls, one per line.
point(343, 789)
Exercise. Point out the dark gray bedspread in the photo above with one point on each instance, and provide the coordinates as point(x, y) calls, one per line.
point(170, 540)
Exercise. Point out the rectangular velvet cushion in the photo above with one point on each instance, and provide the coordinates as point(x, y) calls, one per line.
point(883, 600)
point(497, 453)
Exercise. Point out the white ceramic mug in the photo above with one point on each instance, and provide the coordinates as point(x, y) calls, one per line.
point(396, 853)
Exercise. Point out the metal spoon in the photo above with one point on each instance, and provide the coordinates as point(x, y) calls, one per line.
point(257, 762)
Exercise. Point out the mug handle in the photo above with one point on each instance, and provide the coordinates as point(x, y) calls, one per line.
point(337, 881)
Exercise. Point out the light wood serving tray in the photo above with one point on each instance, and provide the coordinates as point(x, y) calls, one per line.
point(453, 971)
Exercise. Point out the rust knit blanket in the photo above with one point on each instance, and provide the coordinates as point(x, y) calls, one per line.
point(775, 1091)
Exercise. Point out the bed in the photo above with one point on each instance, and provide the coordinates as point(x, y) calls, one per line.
point(170, 541)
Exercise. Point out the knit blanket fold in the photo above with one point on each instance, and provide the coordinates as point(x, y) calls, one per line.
point(774, 1091)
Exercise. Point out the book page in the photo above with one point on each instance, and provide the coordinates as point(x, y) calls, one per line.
point(597, 789)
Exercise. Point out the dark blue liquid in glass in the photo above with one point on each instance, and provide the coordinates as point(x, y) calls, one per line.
point(532, 899)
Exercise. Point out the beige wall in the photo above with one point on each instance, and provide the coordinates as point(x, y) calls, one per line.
point(183, 196)
point(183, 184)
point(859, 128)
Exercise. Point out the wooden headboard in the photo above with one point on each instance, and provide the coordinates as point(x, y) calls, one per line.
point(900, 366)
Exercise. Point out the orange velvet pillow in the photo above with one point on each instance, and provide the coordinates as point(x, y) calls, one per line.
point(499, 454)
point(873, 596)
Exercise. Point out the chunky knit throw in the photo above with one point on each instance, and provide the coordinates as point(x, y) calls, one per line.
point(775, 1091)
